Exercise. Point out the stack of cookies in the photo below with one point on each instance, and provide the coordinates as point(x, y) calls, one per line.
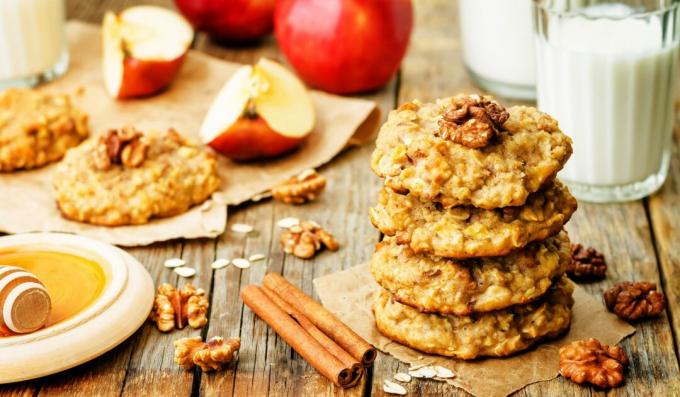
point(474, 254)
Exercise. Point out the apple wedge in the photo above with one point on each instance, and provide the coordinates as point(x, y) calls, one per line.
point(263, 111)
point(144, 47)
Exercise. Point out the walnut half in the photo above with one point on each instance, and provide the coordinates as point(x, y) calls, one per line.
point(635, 301)
point(589, 361)
point(210, 355)
point(301, 188)
point(472, 120)
point(305, 239)
point(586, 263)
point(175, 308)
point(125, 146)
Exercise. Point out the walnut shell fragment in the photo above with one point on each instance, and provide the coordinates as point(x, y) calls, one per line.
point(174, 308)
point(300, 189)
point(209, 356)
point(472, 120)
point(306, 239)
point(635, 301)
point(589, 361)
point(586, 263)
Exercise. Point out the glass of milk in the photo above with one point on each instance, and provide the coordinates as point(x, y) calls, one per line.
point(33, 45)
point(498, 46)
point(606, 70)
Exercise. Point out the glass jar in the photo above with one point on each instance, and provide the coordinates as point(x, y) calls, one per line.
point(33, 46)
point(498, 46)
point(607, 71)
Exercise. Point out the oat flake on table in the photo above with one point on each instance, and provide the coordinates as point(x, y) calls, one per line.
point(424, 372)
point(241, 263)
point(241, 228)
point(174, 262)
point(185, 272)
point(287, 223)
point(256, 257)
point(393, 388)
point(220, 263)
point(402, 377)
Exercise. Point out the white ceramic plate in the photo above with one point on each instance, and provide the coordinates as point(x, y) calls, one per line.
point(117, 313)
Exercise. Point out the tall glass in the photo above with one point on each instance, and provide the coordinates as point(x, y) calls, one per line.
point(33, 45)
point(498, 46)
point(606, 70)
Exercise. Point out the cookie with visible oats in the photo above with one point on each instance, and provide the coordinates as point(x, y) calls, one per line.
point(127, 178)
point(465, 231)
point(37, 128)
point(464, 287)
point(494, 334)
point(461, 151)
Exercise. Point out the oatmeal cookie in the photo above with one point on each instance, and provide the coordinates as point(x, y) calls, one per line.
point(127, 178)
point(465, 231)
point(464, 287)
point(37, 128)
point(500, 333)
point(413, 156)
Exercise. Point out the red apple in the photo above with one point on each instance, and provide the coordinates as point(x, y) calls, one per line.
point(144, 48)
point(344, 46)
point(230, 20)
point(263, 111)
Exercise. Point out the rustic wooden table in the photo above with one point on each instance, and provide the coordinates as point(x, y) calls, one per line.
point(640, 239)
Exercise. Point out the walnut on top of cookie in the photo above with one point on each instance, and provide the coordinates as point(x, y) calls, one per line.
point(472, 120)
point(128, 177)
point(469, 150)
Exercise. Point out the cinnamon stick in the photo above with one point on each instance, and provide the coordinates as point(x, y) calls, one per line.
point(328, 343)
point(290, 331)
point(354, 344)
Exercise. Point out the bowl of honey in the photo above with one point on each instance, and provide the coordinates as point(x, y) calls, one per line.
point(100, 295)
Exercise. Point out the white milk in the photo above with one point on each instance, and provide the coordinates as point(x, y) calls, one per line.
point(498, 40)
point(610, 85)
point(32, 38)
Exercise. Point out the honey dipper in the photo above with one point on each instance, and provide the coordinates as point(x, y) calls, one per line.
point(24, 301)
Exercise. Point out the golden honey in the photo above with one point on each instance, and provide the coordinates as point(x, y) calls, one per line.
point(73, 282)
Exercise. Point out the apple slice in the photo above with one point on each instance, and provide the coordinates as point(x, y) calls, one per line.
point(262, 111)
point(144, 47)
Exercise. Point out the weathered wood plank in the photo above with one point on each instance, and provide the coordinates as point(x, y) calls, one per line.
point(23, 389)
point(432, 68)
point(250, 375)
point(151, 367)
point(664, 208)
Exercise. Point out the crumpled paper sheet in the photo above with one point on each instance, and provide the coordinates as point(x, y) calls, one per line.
point(26, 197)
point(349, 293)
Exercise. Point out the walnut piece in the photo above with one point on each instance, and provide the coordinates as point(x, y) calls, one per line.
point(635, 301)
point(589, 361)
point(472, 120)
point(125, 146)
point(210, 355)
point(175, 308)
point(306, 239)
point(301, 188)
point(586, 263)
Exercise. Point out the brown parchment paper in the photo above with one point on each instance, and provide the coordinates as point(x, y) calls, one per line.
point(349, 293)
point(26, 197)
